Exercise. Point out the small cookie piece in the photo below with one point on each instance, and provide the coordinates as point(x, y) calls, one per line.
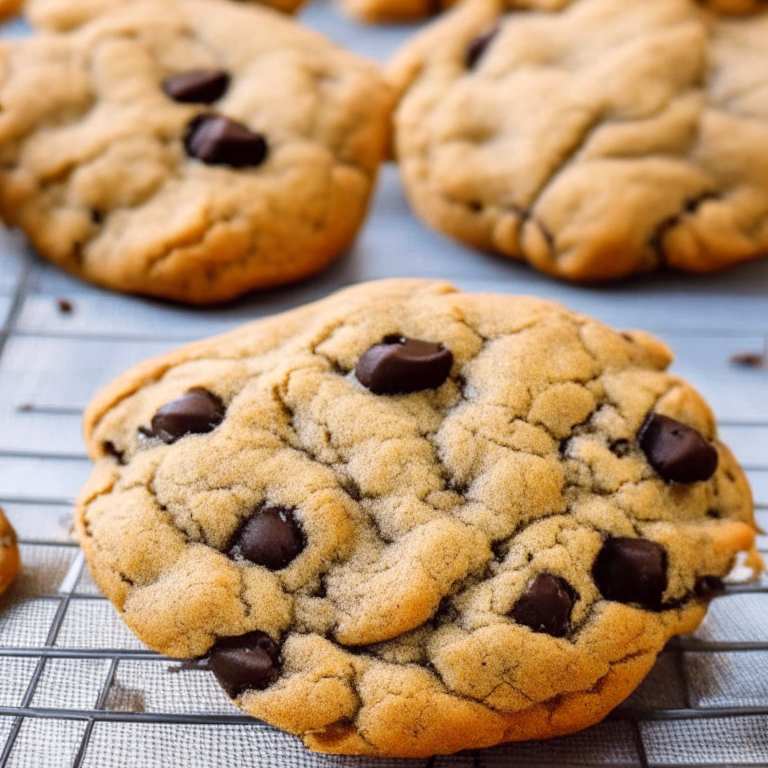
point(606, 139)
point(64, 15)
point(10, 560)
point(407, 520)
point(189, 149)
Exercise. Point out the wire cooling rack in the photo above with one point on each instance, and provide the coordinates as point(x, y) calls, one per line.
point(78, 690)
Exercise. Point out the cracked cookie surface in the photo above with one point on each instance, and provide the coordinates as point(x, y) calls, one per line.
point(124, 177)
point(407, 520)
point(602, 140)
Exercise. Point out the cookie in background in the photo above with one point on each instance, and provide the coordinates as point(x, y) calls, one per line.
point(189, 149)
point(10, 560)
point(607, 139)
point(407, 520)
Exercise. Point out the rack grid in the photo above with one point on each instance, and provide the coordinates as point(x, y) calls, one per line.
point(77, 690)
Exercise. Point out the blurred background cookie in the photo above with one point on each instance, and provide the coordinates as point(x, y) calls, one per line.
point(607, 139)
point(191, 150)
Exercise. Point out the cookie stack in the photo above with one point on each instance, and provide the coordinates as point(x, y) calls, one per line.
point(404, 520)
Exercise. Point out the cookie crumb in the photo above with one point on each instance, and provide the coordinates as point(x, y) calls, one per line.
point(65, 306)
point(748, 359)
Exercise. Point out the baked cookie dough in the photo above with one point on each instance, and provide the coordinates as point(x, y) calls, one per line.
point(408, 520)
point(610, 138)
point(10, 560)
point(191, 150)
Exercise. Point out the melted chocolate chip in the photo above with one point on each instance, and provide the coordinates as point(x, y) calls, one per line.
point(678, 453)
point(631, 571)
point(195, 413)
point(545, 606)
point(399, 365)
point(271, 537)
point(477, 47)
point(708, 587)
point(197, 86)
point(217, 140)
point(244, 663)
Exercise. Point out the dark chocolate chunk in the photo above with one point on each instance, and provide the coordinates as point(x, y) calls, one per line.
point(217, 140)
point(399, 364)
point(631, 571)
point(195, 413)
point(677, 452)
point(271, 537)
point(477, 47)
point(247, 662)
point(708, 587)
point(545, 606)
point(197, 86)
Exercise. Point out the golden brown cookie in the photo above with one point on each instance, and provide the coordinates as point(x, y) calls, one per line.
point(10, 561)
point(604, 140)
point(407, 520)
point(190, 149)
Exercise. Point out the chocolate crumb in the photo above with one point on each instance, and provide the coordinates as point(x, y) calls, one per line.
point(65, 306)
point(748, 359)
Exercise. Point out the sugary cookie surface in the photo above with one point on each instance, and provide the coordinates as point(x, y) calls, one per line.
point(408, 520)
point(192, 150)
point(598, 141)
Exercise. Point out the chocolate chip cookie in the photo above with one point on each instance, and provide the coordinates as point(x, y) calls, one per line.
point(10, 560)
point(602, 140)
point(190, 149)
point(408, 520)
point(63, 15)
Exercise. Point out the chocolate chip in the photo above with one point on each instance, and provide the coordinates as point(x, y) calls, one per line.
point(197, 86)
point(247, 662)
point(399, 364)
point(217, 140)
point(271, 537)
point(545, 606)
point(631, 571)
point(677, 452)
point(477, 47)
point(708, 587)
point(195, 413)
